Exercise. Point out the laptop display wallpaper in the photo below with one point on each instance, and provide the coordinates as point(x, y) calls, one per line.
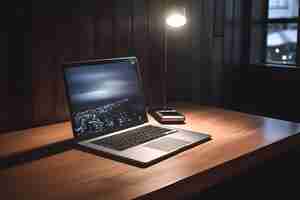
point(105, 97)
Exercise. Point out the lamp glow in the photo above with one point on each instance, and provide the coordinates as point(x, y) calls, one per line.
point(176, 20)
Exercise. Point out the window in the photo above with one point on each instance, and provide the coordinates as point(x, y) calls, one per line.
point(278, 4)
point(278, 27)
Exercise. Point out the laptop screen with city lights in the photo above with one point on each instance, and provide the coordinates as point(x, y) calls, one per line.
point(104, 97)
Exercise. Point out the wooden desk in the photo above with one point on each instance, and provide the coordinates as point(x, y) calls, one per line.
point(239, 142)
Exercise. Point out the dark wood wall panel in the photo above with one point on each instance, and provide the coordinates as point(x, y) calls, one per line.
point(196, 44)
point(219, 18)
point(104, 30)
point(156, 28)
point(55, 32)
point(140, 40)
point(65, 41)
point(233, 44)
point(16, 79)
point(4, 80)
point(207, 51)
point(180, 69)
point(84, 27)
point(228, 31)
point(217, 74)
point(122, 28)
point(43, 72)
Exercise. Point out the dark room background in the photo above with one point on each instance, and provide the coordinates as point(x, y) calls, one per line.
point(208, 59)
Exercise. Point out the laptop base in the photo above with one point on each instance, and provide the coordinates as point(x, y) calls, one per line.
point(152, 152)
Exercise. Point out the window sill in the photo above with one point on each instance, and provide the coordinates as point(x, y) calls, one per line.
point(276, 66)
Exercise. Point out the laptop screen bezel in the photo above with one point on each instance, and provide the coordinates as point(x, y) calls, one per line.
point(101, 62)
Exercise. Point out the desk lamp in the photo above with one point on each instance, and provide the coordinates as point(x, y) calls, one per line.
point(175, 18)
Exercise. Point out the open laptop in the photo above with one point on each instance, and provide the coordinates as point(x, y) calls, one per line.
point(108, 114)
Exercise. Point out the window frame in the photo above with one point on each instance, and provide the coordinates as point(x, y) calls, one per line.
point(264, 22)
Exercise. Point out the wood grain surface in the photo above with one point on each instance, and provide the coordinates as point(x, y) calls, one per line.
point(239, 142)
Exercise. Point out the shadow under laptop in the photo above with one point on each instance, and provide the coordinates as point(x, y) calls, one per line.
point(36, 154)
point(54, 149)
point(72, 144)
point(50, 150)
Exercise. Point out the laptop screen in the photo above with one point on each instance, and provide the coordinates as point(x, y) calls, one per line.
point(104, 96)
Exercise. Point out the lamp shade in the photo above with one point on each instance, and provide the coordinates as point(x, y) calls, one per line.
point(176, 17)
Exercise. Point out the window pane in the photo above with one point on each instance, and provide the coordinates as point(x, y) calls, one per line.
point(283, 8)
point(281, 43)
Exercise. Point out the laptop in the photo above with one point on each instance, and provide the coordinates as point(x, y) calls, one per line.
point(108, 114)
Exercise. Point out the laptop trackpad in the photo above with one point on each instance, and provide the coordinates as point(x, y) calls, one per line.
point(167, 144)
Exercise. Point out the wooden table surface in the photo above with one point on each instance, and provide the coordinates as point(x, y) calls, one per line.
point(239, 142)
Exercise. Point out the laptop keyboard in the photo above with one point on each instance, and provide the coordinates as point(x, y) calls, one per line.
point(132, 138)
